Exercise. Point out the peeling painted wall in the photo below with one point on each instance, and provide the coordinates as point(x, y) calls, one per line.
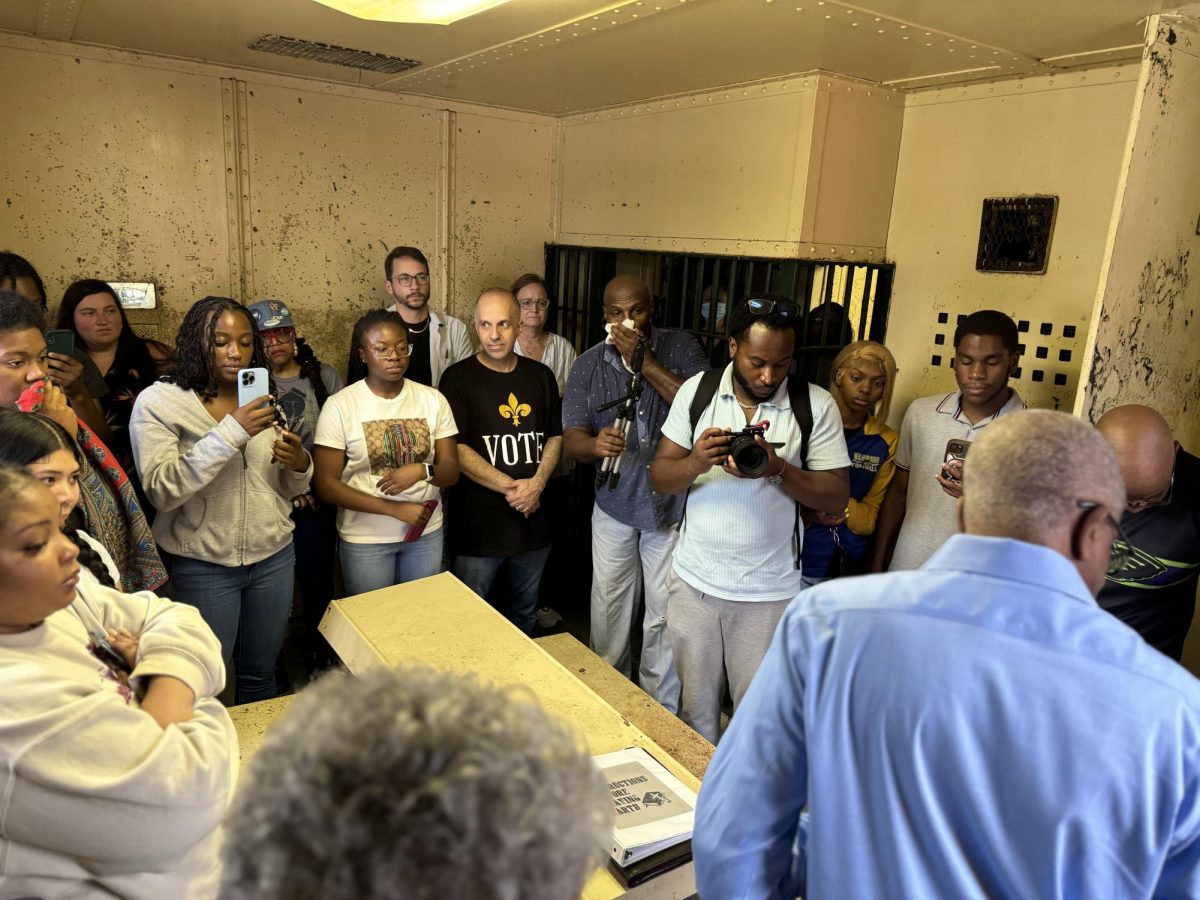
point(1063, 135)
point(797, 167)
point(208, 180)
point(1145, 343)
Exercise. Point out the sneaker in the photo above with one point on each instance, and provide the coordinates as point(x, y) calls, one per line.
point(548, 618)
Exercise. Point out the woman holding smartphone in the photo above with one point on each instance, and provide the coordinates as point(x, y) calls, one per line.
point(864, 374)
point(384, 446)
point(124, 760)
point(223, 478)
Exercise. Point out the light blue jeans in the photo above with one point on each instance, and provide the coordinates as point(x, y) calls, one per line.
point(523, 575)
point(247, 607)
point(369, 567)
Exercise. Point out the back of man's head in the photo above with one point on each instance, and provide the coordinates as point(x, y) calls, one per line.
point(1145, 449)
point(1025, 476)
point(418, 784)
point(18, 314)
point(989, 322)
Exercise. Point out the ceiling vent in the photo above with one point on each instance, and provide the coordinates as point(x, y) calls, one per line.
point(333, 54)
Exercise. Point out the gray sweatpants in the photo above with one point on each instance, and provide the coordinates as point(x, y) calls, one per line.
point(714, 641)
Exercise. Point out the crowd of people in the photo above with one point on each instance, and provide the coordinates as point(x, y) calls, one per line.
point(738, 507)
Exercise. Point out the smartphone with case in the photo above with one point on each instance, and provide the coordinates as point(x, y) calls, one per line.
point(415, 531)
point(61, 340)
point(252, 384)
point(956, 449)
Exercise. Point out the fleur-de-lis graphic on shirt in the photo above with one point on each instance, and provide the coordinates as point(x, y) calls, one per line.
point(514, 409)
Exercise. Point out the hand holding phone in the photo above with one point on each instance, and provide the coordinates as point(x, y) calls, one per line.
point(950, 475)
point(60, 340)
point(952, 462)
point(416, 529)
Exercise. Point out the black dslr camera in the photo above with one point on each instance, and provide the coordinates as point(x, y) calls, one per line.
point(747, 454)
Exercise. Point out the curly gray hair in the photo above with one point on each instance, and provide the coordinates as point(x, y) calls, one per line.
point(416, 783)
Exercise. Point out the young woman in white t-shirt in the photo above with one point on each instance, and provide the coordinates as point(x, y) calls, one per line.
point(384, 447)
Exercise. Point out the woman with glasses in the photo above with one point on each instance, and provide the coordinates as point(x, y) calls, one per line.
point(302, 385)
point(384, 445)
point(223, 477)
point(864, 374)
point(556, 352)
point(535, 341)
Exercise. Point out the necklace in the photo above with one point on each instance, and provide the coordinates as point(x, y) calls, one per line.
point(744, 406)
point(412, 330)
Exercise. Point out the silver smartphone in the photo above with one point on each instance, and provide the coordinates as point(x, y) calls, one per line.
point(252, 384)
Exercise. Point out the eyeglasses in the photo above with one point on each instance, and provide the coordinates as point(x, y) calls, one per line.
point(535, 304)
point(1140, 505)
point(407, 280)
point(279, 336)
point(1119, 553)
point(785, 309)
point(400, 351)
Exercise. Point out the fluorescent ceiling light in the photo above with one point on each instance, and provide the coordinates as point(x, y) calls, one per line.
point(424, 12)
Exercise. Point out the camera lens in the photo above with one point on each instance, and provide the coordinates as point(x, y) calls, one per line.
point(748, 455)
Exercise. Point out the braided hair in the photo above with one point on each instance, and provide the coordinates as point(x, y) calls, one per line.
point(310, 368)
point(194, 344)
point(26, 438)
point(356, 369)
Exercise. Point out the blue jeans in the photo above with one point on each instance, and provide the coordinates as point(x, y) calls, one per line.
point(369, 567)
point(523, 574)
point(247, 607)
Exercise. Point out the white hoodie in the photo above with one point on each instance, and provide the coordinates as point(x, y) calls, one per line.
point(95, 797)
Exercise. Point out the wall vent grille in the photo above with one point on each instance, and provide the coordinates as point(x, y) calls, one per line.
point(298, 48)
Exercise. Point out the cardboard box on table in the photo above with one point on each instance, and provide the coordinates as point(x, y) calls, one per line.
point(440, 622)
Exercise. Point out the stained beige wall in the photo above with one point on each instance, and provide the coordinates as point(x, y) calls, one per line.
point(206, 180)
point(114, 170)
point(1062, 136)
point(796, 167)
point(1145, 341)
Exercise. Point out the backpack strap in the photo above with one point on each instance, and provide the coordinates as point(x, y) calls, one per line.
point(705, 391)
point(802, 410)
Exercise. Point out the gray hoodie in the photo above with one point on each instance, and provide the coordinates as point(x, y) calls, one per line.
point(219, 496)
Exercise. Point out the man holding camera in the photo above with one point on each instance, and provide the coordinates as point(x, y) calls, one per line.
point(737, 563)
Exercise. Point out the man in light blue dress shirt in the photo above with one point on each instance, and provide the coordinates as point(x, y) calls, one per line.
point(978, 727)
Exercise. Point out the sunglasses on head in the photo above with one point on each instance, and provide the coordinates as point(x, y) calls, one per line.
point(785, 309)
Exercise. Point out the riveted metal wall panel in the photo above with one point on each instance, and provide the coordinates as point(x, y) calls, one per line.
point(502, 190)
point(336, 182)
point(116, 172)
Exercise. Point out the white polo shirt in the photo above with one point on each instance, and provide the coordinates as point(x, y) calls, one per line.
point(739, 539)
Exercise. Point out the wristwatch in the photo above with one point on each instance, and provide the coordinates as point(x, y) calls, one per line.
point(777, 478)
point(429, 473)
